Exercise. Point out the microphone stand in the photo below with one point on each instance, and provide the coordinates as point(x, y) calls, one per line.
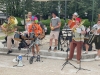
point(80, 68)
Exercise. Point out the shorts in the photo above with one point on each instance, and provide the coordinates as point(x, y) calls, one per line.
point(97, 41)
point(86, 41)
point(36, 42)
point(54, 35)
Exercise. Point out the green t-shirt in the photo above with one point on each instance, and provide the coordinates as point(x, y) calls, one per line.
point(9, 28)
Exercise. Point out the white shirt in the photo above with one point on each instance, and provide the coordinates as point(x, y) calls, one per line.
point(27, 25)
point(96, 27)
point(88, 29)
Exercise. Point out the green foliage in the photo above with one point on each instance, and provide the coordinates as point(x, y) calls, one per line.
point(20, 26)
point(47, 23)
point(86, 23)
point(19, 21)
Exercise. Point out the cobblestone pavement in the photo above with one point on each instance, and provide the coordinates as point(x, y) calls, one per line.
point(47, 67)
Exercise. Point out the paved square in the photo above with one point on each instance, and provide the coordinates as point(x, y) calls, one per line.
point(47, 67)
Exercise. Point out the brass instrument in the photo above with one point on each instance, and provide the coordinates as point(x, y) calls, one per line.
point(74, 29)
point(91, 38)
point(12, 20)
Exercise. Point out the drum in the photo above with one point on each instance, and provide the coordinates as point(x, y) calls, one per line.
point(17, 36)
point(66, 32)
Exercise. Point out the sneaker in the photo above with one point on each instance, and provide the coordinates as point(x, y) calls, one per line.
point(55, 48)
point(85, 52)
point(38, 58)
point(97, 58)
point(67, 59)
point(31, 59)
point(49, 49)
point(9, 52)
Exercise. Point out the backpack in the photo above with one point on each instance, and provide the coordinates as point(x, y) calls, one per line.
point(43, 30)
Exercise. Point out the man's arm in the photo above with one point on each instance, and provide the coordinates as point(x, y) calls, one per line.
point(3, 28)
point(58, 26)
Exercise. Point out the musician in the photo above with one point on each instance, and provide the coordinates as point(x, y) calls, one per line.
point(97, 38)
point(86, 40)
point(9, 30)
point(71, 24)
point(77, 40)
point(55, 25)
point(37, 30)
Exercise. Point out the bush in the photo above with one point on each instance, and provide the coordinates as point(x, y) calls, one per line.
point(86, 23)
point(20, 26)
point(19, 21)
point(47, 23)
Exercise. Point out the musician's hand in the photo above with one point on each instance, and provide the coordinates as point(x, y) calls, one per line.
point(76, 26)
point(52, 28)
point(98, 31)
point(83, 32)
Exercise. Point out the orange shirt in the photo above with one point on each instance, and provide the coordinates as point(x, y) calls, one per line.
point(36, 28)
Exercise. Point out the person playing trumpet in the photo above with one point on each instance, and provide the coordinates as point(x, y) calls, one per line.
point(55, 29)
point(77, 40)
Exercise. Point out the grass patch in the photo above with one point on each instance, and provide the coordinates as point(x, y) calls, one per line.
point(1, 38)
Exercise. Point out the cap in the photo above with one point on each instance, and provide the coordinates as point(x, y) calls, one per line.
point(75, 14)
point(78, 19)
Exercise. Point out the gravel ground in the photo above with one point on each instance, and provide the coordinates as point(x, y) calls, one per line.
point(47, 67)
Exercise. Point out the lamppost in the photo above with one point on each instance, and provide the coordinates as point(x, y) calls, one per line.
point(65, 10)
point(24, 10)
point(92, 12)
point(59, 6)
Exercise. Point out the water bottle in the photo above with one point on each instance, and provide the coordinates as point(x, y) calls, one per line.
point(20, 57)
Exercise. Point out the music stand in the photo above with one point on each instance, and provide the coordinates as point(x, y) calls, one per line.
point(67, 62)
point(63, 37)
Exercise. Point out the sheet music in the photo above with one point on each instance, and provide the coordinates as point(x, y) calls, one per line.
point(78, 30)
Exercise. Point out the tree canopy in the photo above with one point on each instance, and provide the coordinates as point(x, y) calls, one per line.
point(19, 7)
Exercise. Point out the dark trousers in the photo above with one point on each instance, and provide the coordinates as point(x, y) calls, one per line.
point(74, 44)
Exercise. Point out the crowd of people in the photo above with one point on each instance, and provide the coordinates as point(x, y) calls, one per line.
point(80, 34)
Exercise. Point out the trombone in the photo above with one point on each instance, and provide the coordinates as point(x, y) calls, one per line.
point(91, 39)
point(74, 29)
